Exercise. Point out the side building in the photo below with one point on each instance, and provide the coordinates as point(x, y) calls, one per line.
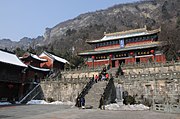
point(53, 62)
point(12, 77)
point(127, 47)
point(34, 71)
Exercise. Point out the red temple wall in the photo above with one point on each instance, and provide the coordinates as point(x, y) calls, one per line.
point(97, 63)
point(145, 59)
point(129, 60)
point(160, 58)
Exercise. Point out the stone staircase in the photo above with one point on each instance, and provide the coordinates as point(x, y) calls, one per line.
point(94, 94)
point(112, 71)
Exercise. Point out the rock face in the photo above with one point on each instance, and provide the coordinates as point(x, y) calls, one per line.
point(90, 26)
point(24, 43)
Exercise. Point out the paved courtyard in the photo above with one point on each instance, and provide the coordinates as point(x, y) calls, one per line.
point(66, 112)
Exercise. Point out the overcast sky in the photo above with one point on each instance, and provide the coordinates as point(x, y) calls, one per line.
point(29, 18)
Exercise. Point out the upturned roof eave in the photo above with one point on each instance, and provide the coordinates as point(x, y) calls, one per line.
point(121, 37)
point(38, 69)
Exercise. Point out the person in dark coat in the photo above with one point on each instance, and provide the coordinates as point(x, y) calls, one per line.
point(78, 103)
point(102, 102)
point(83, 102)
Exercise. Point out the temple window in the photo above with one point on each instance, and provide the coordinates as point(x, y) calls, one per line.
point(117, 42)
point(104, 44)
point(107, 43)
point(148, 37)
point(144, 38)
point(140, 39)
point(137, 39)
point(127, 41)
point(100, 44)
point(155, 36)
point(132, 40)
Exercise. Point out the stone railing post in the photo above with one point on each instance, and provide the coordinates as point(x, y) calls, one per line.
point(129, 77)
point(64, 79)
point(139, 75)
point(149, 75)
point(78, 78)
point(71, 77)
point(85, 77)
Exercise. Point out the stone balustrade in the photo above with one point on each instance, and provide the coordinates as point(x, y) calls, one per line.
point(150, 76)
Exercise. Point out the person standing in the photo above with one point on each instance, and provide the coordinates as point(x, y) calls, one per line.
point(107, 76)
point(83, 102)
point(78, 103)
point(102, 103)
point(96, 78)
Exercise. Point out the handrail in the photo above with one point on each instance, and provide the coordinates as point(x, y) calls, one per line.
point(85, 90)
point(29, 93)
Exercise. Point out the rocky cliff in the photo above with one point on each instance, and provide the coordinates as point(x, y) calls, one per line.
point(90, 26)
point(71, 35)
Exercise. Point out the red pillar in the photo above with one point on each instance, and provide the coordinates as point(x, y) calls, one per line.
point(110, 61)
point(93, 57)
point(153, 57)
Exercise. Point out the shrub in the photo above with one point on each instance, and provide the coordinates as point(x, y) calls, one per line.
point(50, 99)
point(129, 100)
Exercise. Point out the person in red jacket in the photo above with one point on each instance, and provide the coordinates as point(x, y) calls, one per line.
point(96, 78)
point(107, 76)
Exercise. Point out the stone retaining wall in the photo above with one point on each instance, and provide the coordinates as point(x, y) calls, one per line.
point(62, 90)
point(156, 88)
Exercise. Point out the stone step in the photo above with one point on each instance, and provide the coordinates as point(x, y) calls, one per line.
point(94, 94)
point(113, 71)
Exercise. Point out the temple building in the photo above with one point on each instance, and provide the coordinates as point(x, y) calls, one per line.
point(127, 47)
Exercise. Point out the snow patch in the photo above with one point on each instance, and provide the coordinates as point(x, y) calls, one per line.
point(5, 103)
point(116, 106)
point(53, 103)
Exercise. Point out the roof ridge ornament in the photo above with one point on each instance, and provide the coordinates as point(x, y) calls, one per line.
point(126, 31)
